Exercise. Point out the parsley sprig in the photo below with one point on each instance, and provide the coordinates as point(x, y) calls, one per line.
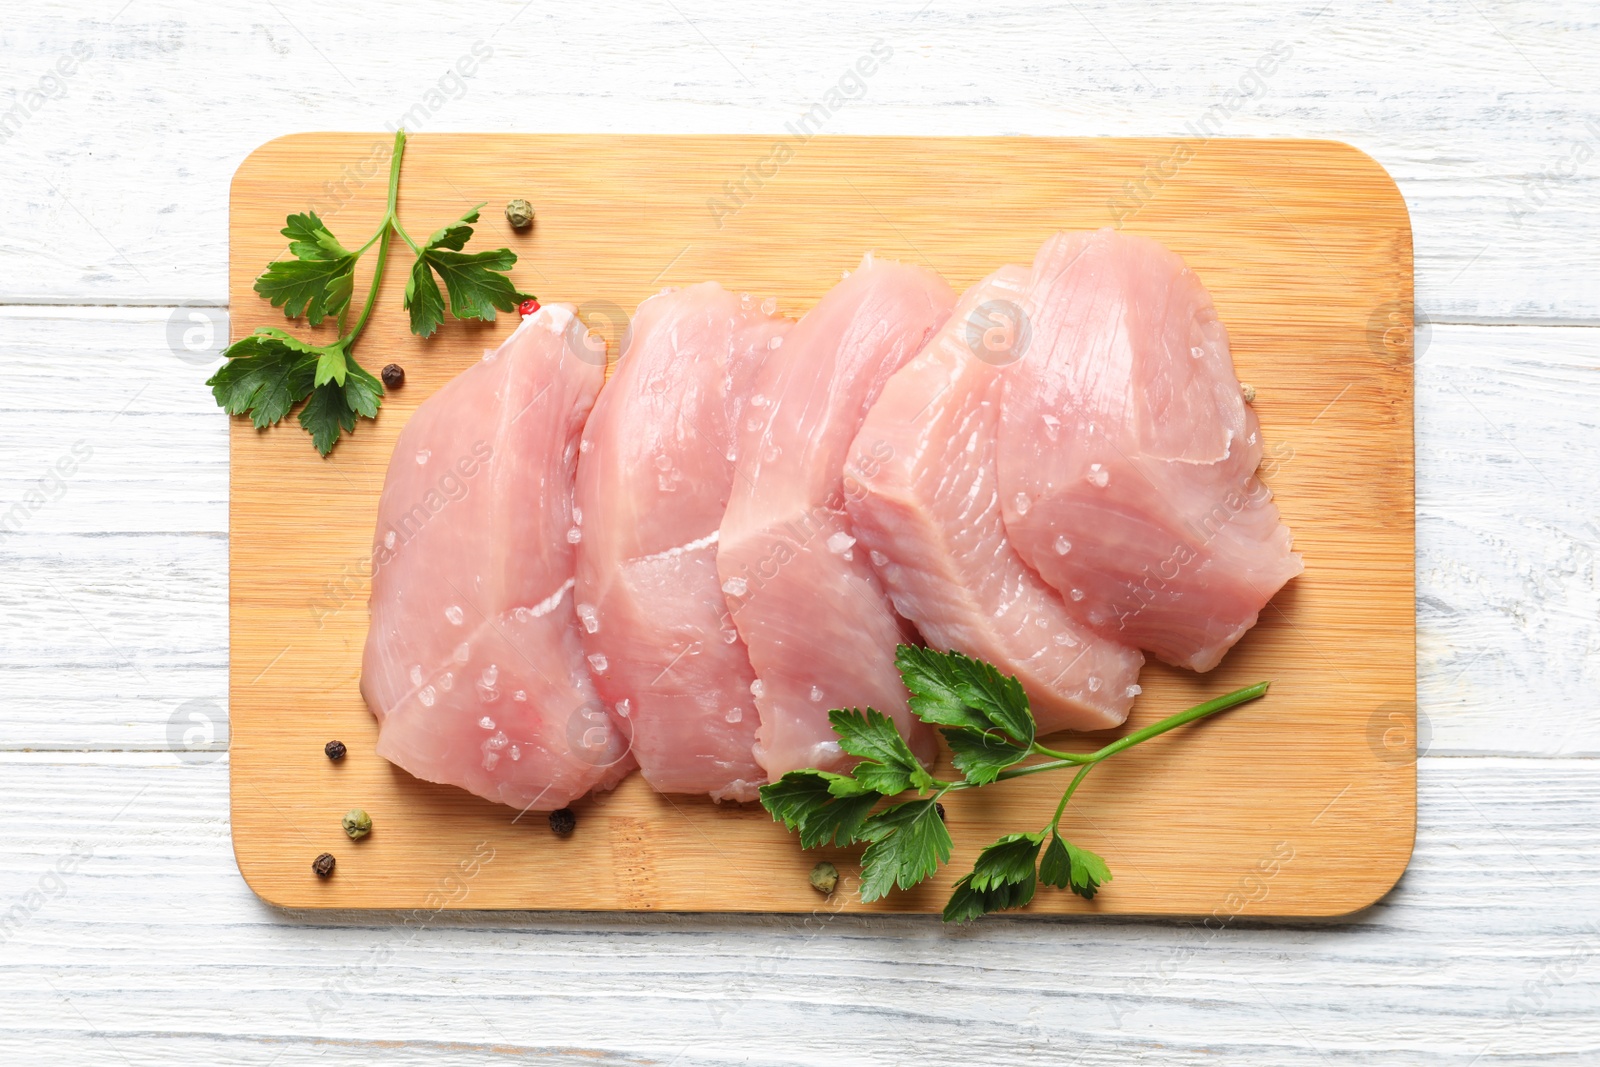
point(271, 371)
point(985, 718)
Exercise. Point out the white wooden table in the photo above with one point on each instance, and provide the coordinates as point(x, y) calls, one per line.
point(126, 933)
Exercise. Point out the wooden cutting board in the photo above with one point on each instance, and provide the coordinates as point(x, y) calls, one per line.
point(1301, 804)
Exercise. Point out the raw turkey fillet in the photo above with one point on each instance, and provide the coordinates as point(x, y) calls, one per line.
point(654, 476)
point(820, 630)
point(473, 665)
point(1127, 455)
point(930, 517)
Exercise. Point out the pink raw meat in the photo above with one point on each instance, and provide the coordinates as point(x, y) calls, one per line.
point(473, 664)
point(930, 516)
point(819, 627)
point(1127, 456)
point(653, 481)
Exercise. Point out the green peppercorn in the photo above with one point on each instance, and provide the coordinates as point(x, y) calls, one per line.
point(520, 214)
point(357, 824)
point(323, 865)
point(824, 878)
point(334, 750)
point(563, 821)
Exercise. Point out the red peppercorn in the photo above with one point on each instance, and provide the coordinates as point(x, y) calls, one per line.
point(528, 306)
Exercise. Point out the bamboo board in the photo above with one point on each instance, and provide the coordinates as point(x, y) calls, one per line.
point(1301, 804)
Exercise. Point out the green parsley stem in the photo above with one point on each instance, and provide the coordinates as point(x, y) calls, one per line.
point(390, 223)
point(1089, 759)
point(372, 293)
point(1069, 757)
point(1072, 788)
point(394, 171)
point(1199, 711)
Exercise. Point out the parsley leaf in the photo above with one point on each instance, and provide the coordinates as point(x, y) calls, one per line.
point(325, 416)
point(826, 808)
point(478, 282)
point(1003, 878)
point(333, 407)
point(310, 238)
point(949, 689)
point(267, 373)
point(985, 718)
point(967, 902)
point(319, 281)
point(270, 371)
point(1009, 860)
point(980, 757)
point(1067, 866)
point(888, 765)
point(909, 842)
point(424, 300)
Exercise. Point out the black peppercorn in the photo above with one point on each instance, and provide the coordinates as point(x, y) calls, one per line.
point(335, 750)
point(940, 809)
point(394, 376)
point(563, 821)
point(323, 865)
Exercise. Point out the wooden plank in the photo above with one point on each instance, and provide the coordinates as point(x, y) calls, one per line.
point(156, 946)
point(1480, 112)
point(1306, 248)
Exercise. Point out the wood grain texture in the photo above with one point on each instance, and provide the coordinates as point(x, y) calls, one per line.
point(1479, 110)
point(155, 950)
point(1305, 247)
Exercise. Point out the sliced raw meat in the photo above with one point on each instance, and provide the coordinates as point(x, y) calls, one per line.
point(819, 627)
point(1127, 454)
point(930, 517)
point(473, 664)
point(653, 480)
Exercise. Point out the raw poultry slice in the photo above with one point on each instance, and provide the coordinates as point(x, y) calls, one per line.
point(1127, 455)
point(819, 627)
point(473, 664)
point(653, 480)
point(930, 518)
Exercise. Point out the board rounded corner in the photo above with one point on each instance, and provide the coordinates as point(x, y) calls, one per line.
point(256, 155)
point(1384, 882)
point(1367, 161)
point(274, 896)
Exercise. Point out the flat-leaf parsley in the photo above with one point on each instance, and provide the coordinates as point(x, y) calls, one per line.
point(985, 718)
point(271, 371)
